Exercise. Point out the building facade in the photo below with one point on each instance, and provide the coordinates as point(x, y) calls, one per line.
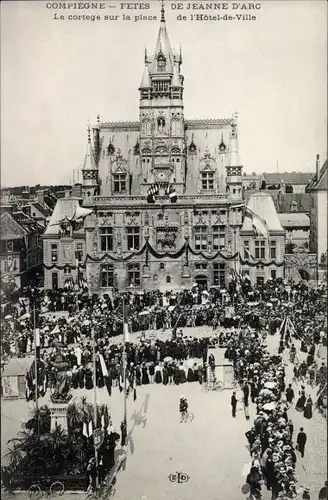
point(318, 215)
point(165, 192)
point(20, 248)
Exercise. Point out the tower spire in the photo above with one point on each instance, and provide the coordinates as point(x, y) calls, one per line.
point(162, 12)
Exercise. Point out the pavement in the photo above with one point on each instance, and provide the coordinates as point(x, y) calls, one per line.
point(207, 458)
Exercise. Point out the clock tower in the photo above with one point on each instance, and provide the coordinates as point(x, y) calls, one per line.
point(162, 138)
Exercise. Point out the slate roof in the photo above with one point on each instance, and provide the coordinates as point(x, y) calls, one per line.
point(65, 207)
point(262, 204)
point(26, 222)
point(294, 219)
point(284, 201)
point(9, 228)
point(287, 177)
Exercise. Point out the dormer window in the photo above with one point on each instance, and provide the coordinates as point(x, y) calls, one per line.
point(161, 62)
point(207, 179)
point(120, 183)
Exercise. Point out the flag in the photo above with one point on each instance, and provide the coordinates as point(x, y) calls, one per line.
point(103, 365)
point(249, 254)
point(154, 189)
point(27, 388)
point(259, 224)
point(90, 428)
point(85, 430)
point(173, 195)
point(126, 324)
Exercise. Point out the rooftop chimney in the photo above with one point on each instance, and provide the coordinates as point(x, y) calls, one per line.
point(317, 167)
point(77, 190)
point(40, 196)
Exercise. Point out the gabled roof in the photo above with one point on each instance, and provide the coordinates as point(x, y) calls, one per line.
point(10, 229)
point(294, 219)
point(262, 204)
point(65, 207)
point(287, 177)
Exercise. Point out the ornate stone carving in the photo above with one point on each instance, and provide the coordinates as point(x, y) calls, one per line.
point(166, 237)
point(95, 243)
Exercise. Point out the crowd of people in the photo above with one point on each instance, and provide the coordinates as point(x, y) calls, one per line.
point(240, 318)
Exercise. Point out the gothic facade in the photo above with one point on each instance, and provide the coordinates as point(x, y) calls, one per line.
point(131, 243)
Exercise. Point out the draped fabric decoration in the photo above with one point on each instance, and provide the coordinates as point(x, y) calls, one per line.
point(147, 257)
point(253, 263)
point(56, 266)
point(160, 255)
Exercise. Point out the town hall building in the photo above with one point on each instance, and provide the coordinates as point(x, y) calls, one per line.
point(165, 197)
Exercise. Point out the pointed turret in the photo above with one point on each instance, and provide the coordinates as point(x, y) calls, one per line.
point(222, 146)
point(176, 82)
point(234, 167)
point(163, 56)
point(90, 170)
point(89, 160)
point(234, 157)
point(145, 82)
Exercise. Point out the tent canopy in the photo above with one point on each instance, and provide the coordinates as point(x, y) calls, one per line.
point(17, 366)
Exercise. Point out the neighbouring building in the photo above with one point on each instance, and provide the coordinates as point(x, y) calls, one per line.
point(166, 195)
point(64, 250)
point(262, 258)
point(20, 247)
point(287, 182)
point(318, 216)
point(297, 227)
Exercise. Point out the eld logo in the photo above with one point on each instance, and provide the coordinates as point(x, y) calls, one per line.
point(179, 477)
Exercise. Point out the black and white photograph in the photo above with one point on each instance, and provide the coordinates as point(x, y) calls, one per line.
point(163, 250)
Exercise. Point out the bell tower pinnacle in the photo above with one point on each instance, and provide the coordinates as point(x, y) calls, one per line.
point(162, 138)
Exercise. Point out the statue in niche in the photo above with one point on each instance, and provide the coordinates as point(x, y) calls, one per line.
point(95, 243)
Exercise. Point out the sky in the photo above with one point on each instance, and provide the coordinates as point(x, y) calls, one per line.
point(57, 75)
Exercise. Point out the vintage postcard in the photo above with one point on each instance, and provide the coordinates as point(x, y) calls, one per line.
point(164, 249)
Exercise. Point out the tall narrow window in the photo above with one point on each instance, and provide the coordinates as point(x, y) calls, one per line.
point(79, 252)
point(10, 246)
point(273, 249)
point(106, 239)
point(54, 252)
point(119, 183)
point(219, 274)
point(218, 237)
point(107, 275)
point(133, 238)
point(246, 250)
point(260, 249)
point(133, 274)
point(207, 181)
point(201, 238)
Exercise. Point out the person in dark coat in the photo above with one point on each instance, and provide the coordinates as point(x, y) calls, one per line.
point(307, 412)
point(301, 401)
point(151, 370)
point(138, 375)
point(303, 346)
point(176, 375)
point(88, 379)
point(290, 395)
point(165, 375)
point(81, 380)
point(233, 403)
point(245, 390)
point(183, 377)
point(254, 391)
point(301, 441)
point(158, 376)
point(123, 433)
point(200, 374)
point(145, 377)
point(170, 373)
point(190, 376)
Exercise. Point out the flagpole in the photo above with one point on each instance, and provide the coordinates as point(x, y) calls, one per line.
point(95, 399)
point(36, 371)
point(124, 361)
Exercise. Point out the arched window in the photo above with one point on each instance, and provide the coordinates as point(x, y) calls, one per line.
point(168, 279)
point(161, 62)
point(162, 266)
point(160, 124)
